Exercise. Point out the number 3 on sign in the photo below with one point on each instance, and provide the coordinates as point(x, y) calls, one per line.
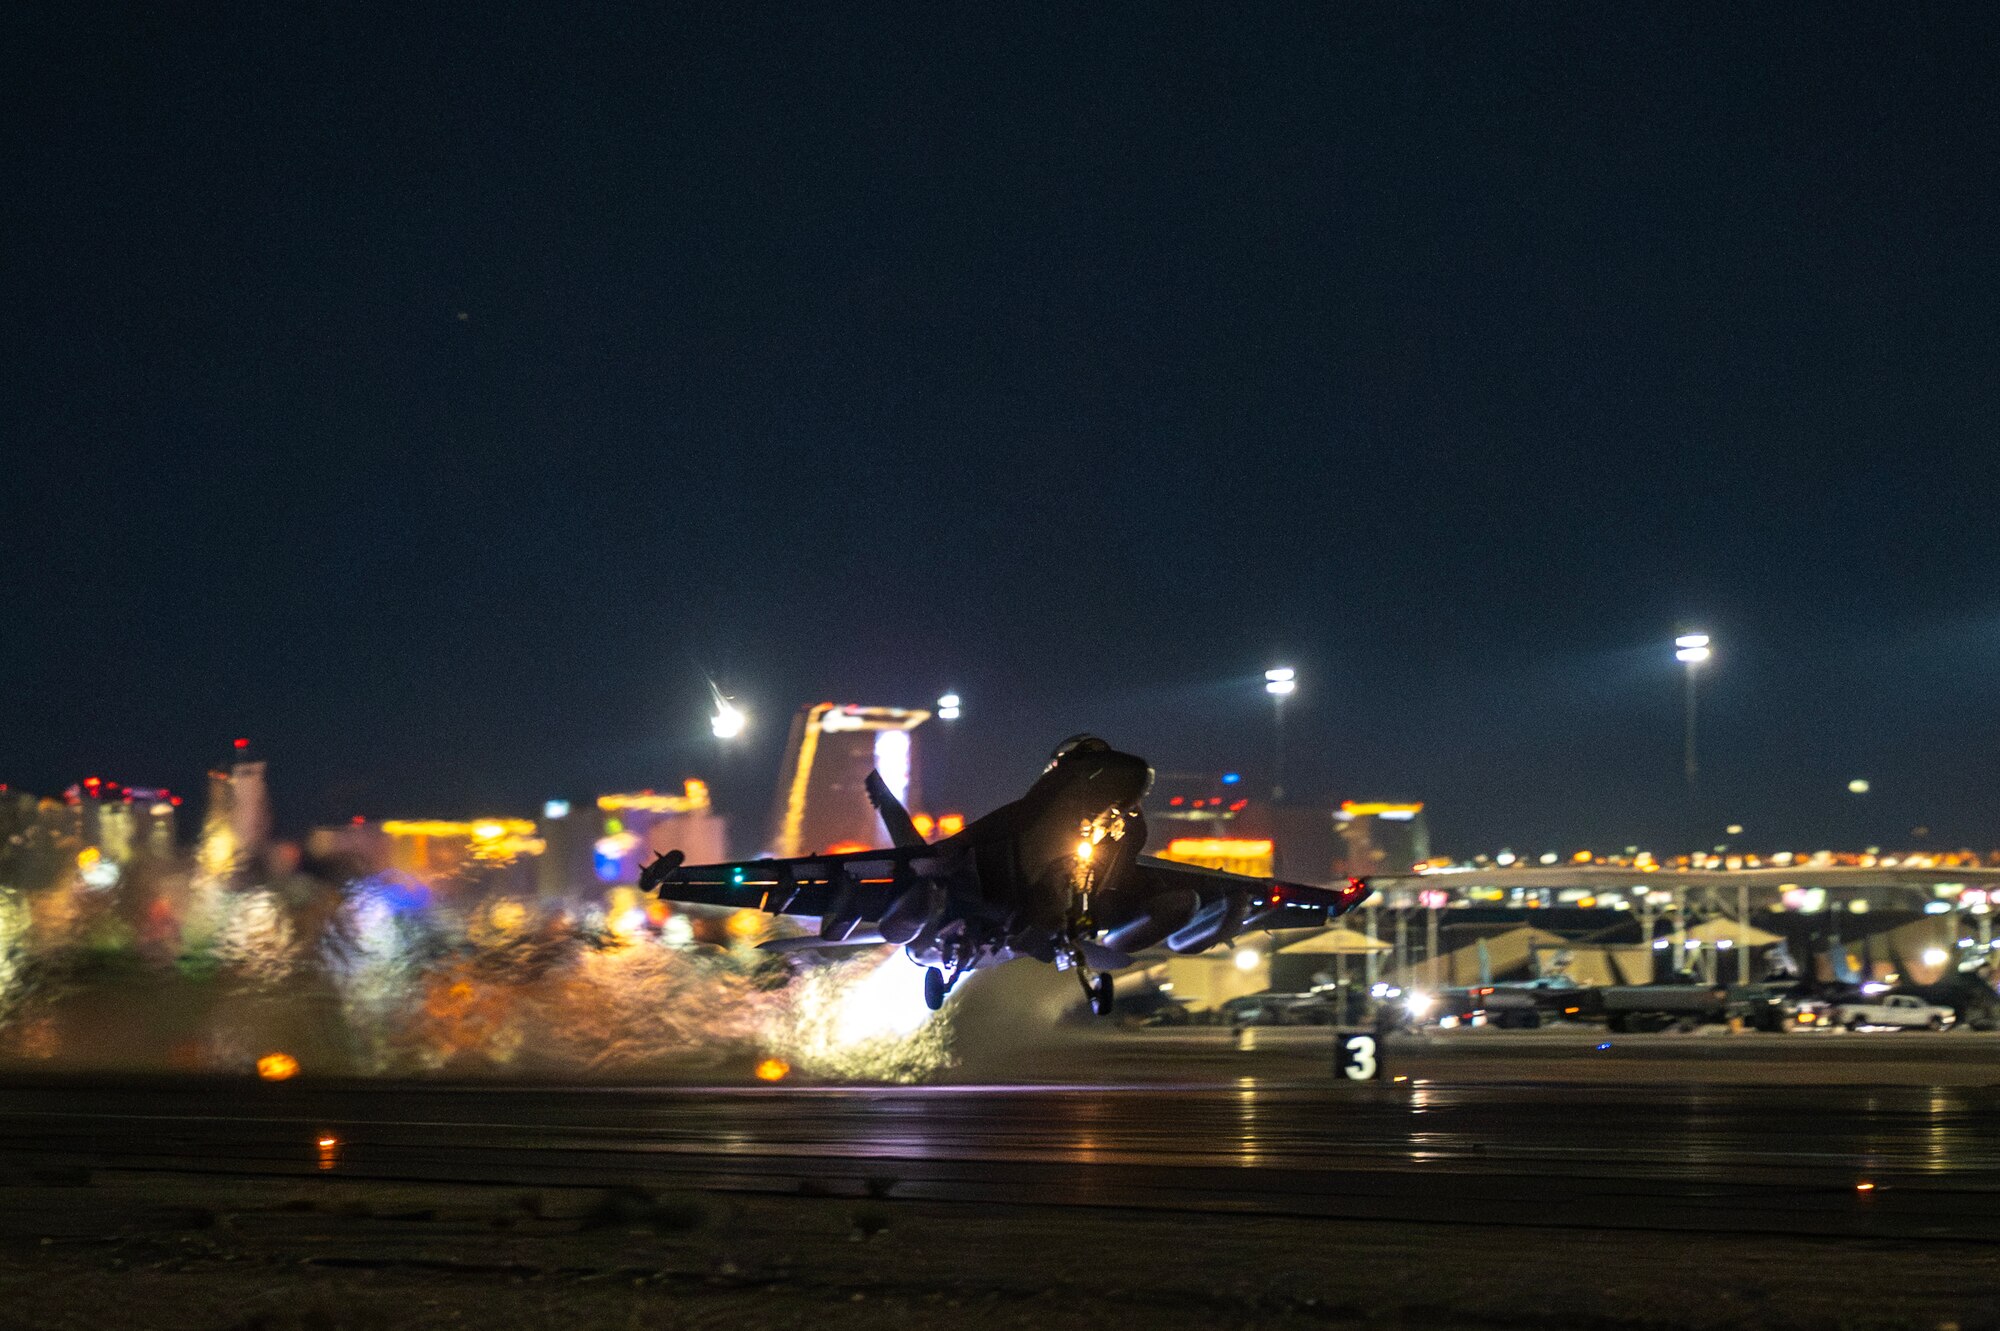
point(1359, 1060)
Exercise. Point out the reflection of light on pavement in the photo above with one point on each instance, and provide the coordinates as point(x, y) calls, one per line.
point(258, 939)
point(329, 1152)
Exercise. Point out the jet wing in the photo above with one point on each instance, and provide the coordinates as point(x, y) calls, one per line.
point(1274, 903)
point(807, 885)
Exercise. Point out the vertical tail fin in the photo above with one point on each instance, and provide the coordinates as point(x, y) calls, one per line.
point(895, 817)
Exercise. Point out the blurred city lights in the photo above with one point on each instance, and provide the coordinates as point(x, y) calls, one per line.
point(949, 707)
point(277, 1067)
point(1691, 648)
point(554, 809)
point(1247, 959)
point(1280, 681)
point(1858, 786)
point(773, 1069)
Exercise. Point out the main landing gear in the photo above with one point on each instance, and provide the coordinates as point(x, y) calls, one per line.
point(937, 985)
point(1097, 988)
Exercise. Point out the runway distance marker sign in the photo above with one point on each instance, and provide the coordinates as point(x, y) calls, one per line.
point(1358, 1056)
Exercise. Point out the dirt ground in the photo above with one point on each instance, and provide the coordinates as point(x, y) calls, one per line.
point(108, 1251)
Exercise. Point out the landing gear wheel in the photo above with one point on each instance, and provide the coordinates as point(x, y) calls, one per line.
point(1100, 993)
point(934, 988)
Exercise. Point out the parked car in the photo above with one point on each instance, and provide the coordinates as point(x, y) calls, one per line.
point(1779, 1005)
point(1485, 1005)
point(1269, 1009)
point(1905, 1011)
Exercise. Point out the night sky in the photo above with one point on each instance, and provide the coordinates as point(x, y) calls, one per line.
point(434, 397)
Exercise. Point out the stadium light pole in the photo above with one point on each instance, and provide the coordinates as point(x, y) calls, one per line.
point(1691, 650)
point(1280, 682)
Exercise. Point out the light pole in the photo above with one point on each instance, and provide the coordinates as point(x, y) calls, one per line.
point(1279, 682)
point(1691, 650)
point(949, 708)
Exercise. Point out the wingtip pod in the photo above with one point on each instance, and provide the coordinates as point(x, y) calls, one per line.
point(655, 875)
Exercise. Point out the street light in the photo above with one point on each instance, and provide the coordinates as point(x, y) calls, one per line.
point(948, 707)
point(1280, 682)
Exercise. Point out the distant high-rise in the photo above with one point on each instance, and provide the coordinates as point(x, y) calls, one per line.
point(1379, 837)
point(822, 801)
point(237, 824)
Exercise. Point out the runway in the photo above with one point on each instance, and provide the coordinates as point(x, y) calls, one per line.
point(1692, 1157)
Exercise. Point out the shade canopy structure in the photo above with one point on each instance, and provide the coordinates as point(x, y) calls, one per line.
point(1736, 935)
point(1339, 941)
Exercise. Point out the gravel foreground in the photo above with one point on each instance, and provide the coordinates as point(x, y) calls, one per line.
point(112, 1250)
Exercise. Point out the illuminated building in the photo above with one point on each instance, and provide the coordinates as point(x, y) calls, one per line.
point(1245, 855)
point(822, 798)
point(633, 828)
point(1300, 838)
point(433, 850)
point(237, 823)
point(118, 821)
point(1379, 837)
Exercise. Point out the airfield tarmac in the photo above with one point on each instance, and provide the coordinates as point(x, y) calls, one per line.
point(1763, 1178)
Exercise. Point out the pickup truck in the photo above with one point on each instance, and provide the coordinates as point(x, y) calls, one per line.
point(1899, 1010)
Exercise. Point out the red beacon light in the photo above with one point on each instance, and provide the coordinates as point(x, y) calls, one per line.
point(242, 743)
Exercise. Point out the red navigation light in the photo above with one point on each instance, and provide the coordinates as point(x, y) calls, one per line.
point(175, 801)
point(357, 820)
point(1177, 801)
point(92, 782)
point(242, 743)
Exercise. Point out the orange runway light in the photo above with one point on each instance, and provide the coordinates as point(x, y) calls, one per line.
point(329, 1152)
point(773, 1069)
point(277, 1067)
point(1864, 1187)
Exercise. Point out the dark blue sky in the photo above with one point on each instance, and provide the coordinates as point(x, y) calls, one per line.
point(425, 392)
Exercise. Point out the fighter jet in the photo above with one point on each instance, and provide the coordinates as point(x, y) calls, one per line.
point(1057, 876)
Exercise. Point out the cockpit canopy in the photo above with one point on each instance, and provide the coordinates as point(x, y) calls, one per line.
point(1078, 744)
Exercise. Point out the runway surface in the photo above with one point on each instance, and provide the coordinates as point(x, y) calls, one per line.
point(1753, 1160)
